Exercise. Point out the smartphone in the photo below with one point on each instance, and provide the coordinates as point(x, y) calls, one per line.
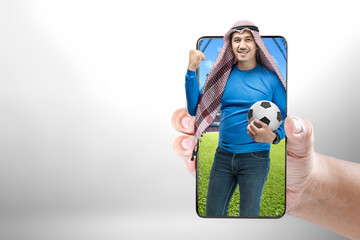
point(230, 195)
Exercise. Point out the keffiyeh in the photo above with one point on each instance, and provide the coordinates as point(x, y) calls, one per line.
point(214, 87)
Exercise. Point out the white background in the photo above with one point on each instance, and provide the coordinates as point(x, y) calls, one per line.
point(87, 92)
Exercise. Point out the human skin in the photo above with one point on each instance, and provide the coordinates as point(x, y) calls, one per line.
point(195, 58)
point(260, 132)
point(244, 48)
point(319, 188)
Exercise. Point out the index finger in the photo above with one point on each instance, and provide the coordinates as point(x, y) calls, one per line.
point(259, 124)
point(253, 128)
point(183, 122)
point(202, 55)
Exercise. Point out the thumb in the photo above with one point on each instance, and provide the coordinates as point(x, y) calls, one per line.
point(300, 137)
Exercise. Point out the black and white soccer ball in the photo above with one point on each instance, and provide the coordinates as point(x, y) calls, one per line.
point(267, 112)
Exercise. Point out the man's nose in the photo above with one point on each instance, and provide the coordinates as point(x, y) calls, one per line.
point(242, 45)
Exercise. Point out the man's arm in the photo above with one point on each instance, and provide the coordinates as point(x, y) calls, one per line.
point(192, 91)
point(191, 81)
point(279, 98)
point(258, 130)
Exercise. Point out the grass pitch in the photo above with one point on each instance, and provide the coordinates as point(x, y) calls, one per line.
point(273, 198)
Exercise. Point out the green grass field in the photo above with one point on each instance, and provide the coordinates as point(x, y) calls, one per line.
point(273, 198)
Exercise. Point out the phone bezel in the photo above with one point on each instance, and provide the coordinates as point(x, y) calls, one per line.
point(197, 154)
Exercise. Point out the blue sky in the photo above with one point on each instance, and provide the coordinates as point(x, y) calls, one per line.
point(273, 44)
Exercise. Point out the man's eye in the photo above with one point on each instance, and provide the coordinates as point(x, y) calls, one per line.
point(249, 40)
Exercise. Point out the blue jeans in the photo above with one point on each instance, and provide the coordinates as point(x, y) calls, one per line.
point(248, 170)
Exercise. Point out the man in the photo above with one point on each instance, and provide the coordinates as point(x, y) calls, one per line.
point(243, 73)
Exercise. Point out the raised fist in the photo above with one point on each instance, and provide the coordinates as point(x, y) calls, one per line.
point(195, 58)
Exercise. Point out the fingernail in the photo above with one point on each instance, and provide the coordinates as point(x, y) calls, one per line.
point(186, 143)
point(186, 122)
point(298, 125)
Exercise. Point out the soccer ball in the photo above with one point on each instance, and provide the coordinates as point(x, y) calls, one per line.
point(267, 112)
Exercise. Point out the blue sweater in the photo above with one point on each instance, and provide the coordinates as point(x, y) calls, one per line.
point(242, 90)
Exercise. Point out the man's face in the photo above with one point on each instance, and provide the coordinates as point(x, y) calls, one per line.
point(244, 47)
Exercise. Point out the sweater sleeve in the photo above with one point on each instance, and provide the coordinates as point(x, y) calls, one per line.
point(192, 91)
point(279, 98)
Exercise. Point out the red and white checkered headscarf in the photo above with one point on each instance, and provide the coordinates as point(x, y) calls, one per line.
point(214, 87)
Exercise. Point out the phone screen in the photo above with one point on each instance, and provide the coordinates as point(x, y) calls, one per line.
point(239, 189)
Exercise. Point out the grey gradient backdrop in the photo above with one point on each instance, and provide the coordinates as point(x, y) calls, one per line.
point(87, 92)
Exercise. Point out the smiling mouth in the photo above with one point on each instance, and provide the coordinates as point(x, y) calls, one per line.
point(243, 51)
